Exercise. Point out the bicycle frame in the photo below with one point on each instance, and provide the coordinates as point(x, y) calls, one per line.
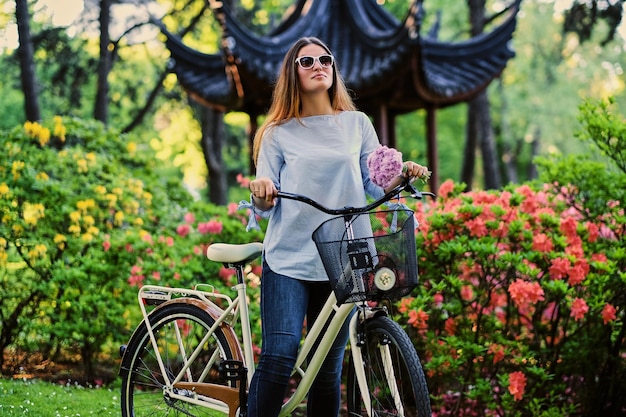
point(235, 311)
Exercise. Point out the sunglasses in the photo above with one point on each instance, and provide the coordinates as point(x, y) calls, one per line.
point(307, 62)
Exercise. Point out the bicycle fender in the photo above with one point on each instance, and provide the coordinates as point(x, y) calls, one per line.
point(213, 310)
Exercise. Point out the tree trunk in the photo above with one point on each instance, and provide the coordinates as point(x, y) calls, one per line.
point(491, 167)
point(27, 63)
point(469, 153)
point(212, 125)
point(479, 129)
point(100, 111)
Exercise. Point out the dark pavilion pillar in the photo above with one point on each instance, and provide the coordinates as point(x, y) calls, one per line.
point(382, 123)
point(431, 140)
point(254, 125)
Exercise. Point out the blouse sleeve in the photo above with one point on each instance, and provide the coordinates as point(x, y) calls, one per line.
point(370, 143)
point(269, 164)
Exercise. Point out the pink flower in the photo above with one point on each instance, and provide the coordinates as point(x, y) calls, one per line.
point(418, 319)
point(476, 227)
point(244, 182)
point(146, 237)
point(568, 227)
point(384, 165)
point(225, 274)
point(525, 293)
point(578, 273)
point(497, 351)
point(579, 309)
point(212, 226)
point(106, 245)
point(183, 230)
point(446, 188)
point(517, 384)
point(608, 313)
point(156, 275)
point(467, 293)
point(593, 230)
point(232, 208)
point(190, 218)
point(438, 300)
point(559, 268)
point(542, 243)
point(450, 326)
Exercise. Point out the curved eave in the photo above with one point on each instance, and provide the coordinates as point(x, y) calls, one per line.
point(362, 35)
point(202, 75)
point(453, 72)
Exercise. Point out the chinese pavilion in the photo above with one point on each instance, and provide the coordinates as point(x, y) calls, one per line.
point(391, 67)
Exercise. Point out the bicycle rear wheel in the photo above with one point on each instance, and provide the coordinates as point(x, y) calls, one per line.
point(179, 329)
point(393, 371)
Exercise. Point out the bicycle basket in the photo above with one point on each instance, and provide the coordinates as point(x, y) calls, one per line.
point(369, 256)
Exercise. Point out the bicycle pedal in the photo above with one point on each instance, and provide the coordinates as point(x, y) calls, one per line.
point(232, 370)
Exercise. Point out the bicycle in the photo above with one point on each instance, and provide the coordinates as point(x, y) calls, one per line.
point(185, 357)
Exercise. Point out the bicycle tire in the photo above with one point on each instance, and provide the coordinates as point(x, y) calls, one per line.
point(407, 371)
point(143, 392)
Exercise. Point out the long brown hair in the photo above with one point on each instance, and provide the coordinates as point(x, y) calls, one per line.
point(286, 96)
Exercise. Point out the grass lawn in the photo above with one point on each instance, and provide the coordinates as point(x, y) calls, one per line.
point(43, 399)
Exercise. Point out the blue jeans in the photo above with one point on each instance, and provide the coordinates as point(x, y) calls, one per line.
point(284, 304)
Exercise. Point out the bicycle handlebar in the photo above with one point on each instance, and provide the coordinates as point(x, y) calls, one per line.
point(404, 186)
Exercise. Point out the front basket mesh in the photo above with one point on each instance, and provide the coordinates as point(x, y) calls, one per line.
point(369, 256)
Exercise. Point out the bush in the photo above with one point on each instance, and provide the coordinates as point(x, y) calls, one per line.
point(85, 216)
point(521, 311)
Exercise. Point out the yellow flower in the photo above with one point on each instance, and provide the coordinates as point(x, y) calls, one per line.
point(112, 200)
point(91, 157)
point(3, 243)
point(82, 165)
point(3, 258)
point(139, 221)
point(75, 216)
point(33, 212)
point(16, 168)
point(42, 176)
point(93, 230)
point(100, 189)
point(4, 189)
point(147, 197)
point(89, 220)
point(60, 240)
point(74, 229)
point(131, 147)
point(87, 237)
point(44, 136)
point(84, 205)
point(17, 230)
point(119, 218)
point(118, 191)
point(38, 251)
point(59, 129)
point(32, 128)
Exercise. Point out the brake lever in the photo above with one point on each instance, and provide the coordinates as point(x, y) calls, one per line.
point(415, 193)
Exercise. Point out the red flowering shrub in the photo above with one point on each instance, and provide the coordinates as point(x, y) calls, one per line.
point(522, 300)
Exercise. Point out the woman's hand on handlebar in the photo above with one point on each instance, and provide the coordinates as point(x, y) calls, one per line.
point(264, 192)
point(409, 170)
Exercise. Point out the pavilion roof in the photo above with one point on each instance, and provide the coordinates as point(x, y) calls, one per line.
point(383, 60)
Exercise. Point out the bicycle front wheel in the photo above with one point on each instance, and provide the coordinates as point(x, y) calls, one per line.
point(179, 330)
point(393, 372)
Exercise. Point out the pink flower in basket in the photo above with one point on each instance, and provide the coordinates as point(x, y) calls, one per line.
point(384, 165)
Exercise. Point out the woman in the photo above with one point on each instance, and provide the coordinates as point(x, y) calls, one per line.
point(313, 142)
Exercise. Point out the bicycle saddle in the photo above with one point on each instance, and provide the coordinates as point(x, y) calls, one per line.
point(234, 253)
